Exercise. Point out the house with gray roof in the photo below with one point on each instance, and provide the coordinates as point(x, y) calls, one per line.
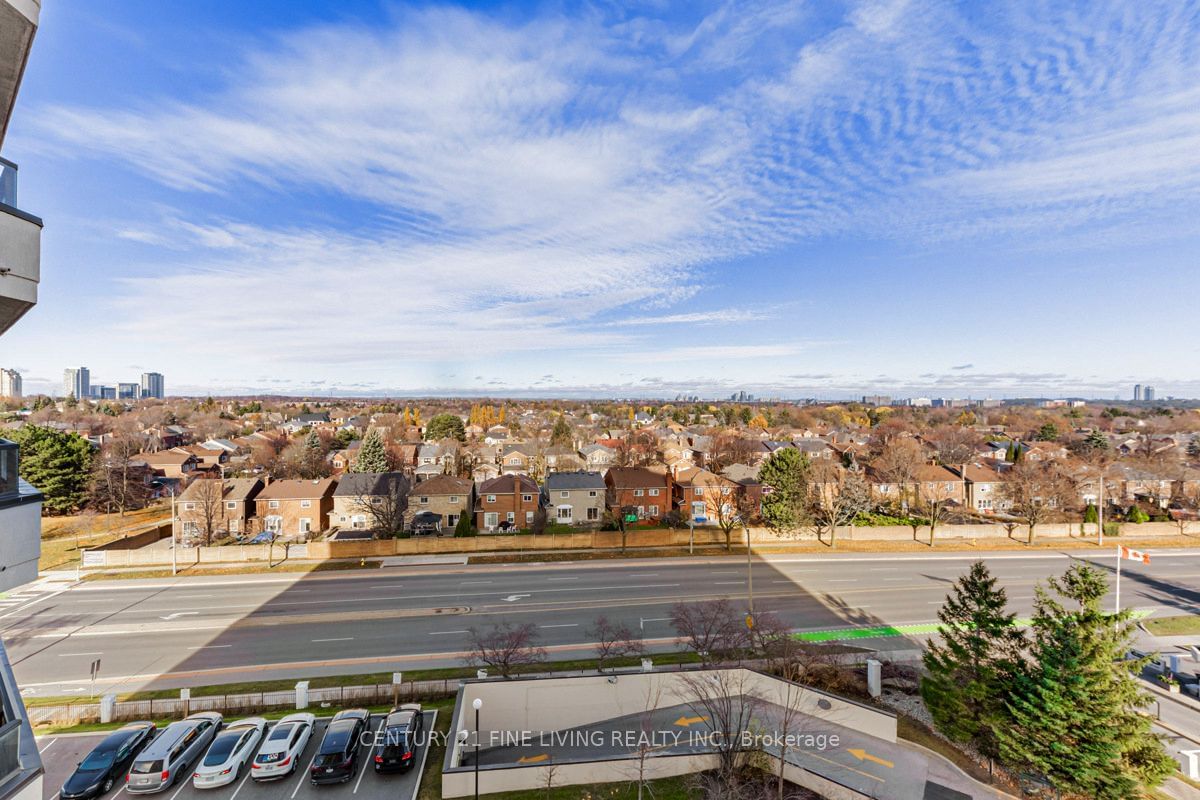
point(574, 498)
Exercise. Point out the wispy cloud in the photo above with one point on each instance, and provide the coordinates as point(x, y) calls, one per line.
point(505, 188)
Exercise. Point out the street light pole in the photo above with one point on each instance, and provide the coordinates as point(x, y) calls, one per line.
point(477, 704)
point(749, 568)
point(174, 540)
point(1100, 512)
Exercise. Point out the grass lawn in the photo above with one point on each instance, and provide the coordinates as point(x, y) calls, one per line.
point(1174, 626)
point(367, 679)
point(251, 569)
point(63, 536)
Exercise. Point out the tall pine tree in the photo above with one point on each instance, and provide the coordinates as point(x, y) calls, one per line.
point(57, 463)
point(372, 454)
point(976, 660)
point(1073, 715)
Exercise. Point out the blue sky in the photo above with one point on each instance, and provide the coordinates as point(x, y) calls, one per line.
point(799, 199)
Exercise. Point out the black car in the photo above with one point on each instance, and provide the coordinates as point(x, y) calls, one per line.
point(337, 757)
point(108, 762)
point(401, 732)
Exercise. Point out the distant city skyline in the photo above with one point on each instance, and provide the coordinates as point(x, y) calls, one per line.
point(886, 197)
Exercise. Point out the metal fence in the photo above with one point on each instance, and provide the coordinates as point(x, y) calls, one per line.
point(245, 703)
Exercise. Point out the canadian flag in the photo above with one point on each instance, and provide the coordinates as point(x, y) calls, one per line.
point(1133, 555)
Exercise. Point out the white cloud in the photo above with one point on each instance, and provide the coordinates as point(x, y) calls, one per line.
point(528, 186)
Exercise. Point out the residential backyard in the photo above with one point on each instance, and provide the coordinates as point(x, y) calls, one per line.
point(64, 537)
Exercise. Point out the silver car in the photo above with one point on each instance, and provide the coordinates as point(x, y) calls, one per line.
point(172, 752)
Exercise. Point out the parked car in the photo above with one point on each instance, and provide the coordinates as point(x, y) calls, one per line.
point(108, 762)
point(172, 752)
point(229, 753)
point(337, 758)
point(401, 731)
point(281, 750)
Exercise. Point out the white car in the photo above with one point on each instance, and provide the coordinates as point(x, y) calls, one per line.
point(229, 753)
point(280, 752)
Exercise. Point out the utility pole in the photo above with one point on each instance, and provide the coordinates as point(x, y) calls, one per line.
point(174, 540)
point(1100, 515)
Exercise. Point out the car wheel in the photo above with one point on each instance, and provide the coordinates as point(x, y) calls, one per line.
point(108, 782)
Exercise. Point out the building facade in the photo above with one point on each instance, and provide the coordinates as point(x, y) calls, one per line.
point(153, 385)
point(10, 383)
point(77, 382)
point(21, 773)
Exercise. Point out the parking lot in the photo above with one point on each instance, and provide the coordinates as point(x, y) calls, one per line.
point(60, 754)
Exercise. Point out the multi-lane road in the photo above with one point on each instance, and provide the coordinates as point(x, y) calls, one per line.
point(196, 631)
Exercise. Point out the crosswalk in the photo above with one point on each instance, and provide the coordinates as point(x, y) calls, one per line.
point(46, 586)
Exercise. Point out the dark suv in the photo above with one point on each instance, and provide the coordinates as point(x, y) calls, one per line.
point(401, 733)
point(337, 757)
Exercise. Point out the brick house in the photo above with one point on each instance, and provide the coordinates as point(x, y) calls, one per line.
point(575, 498)
point(507, 502)
point(229, 505)
point(295, 508)
point(985, 487)
point(178, 464)
point(698, 494)
point(446, 496)
point(647, 490)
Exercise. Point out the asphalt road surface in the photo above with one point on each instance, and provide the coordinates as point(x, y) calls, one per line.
point(197, 631)
point(60, 754)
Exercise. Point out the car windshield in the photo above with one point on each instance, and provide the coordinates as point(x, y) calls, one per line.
point(147, 767)
point(222, 747)
point(281, 733)
point(395, 736)
point(98, 759)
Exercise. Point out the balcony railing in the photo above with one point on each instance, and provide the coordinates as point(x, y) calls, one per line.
point(10, 749)
point(8, 183)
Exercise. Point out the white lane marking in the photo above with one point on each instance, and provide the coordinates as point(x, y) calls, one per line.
point(178, 614)
point(882, 569)
point(193, 596)
point(564, 625)
point(561, 579)
point(183, 783)
point(47, 747)
point(472, 583)
point(211, 647)
point(249, 772)
point(724, 572)
point(307, 772)
point(843, 580)
point(73, 655)
point(896, 579)
point(445, 633)
point(339, 639)
point(363, 769)
point(728, 583)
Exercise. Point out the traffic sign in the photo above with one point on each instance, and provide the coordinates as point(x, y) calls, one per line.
point(701, 520)
point(631, 517)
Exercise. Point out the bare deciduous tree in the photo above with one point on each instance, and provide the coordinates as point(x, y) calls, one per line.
point(614, 640)
point(1038, 491)
point(118, 478)
point(836, 496)
point(713, 630)
point(505, 647)
point(384, 506)
point(726, 700)
point(209, 496)
point(898, 462)
point(954, 444)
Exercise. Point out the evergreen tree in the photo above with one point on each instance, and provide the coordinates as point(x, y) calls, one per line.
point(1073, 715)
point(786, 472)
point(561, 434)
point(464, 526)
point(977, 658)
point(1096, 441)
point(372, 454)
point(311, 464)
point(55, 462)
point(446, 426)
point(1047, 433)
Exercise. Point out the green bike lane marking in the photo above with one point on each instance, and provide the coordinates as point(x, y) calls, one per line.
point(877, 631)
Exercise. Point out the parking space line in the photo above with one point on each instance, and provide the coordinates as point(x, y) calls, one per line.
point(370, 751)
point(249, 772)
point(47, 747)
point(305, 775)
point(182, 785)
